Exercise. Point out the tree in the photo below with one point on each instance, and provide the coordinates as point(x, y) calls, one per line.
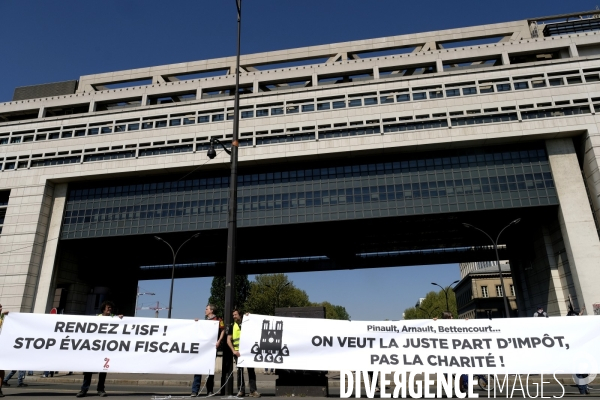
point(333, 312)
point(217, 292)
point(271, 291)
point(434, 304)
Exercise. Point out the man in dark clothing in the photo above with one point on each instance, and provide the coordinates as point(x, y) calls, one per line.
point(209, 315)
point(107, 308)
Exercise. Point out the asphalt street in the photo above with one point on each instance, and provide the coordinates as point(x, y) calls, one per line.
point(59, 390)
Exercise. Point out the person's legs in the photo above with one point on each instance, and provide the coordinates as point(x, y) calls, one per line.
point(20, 378)
point(10, 375)
point(581, 388)
point(87, 381)
point(196, 384)
point(210, 384)
point(252, 380)
point(101, 380)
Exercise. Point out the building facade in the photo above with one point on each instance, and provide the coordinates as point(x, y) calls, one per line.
point(468, 267)
point(363, 154)
point(480, 293)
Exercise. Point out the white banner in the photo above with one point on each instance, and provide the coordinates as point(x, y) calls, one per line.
point(43, 342)
point(516, 345)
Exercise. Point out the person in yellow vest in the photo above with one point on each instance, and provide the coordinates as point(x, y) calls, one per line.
point(233, 340)
point(2, 314)
point(107, 308)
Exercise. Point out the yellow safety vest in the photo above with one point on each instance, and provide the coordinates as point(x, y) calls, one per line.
point(236, 336)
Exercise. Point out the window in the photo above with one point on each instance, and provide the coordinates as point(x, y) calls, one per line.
point(556, 82)
point(355, 103)
point(503, 87)
point(262, 113)
point(484, 291)
point(420, 96)
point(512, 290)
point(469, 90)
point(248, 114)
point(452, 92)
point(499, 291)
point(308, 107)
point(521, 85)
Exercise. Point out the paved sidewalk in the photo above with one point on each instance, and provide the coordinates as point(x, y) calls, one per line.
point(262, 380)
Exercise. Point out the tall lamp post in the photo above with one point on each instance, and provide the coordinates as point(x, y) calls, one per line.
point(194, 236)
point(446, 292)
point(227, 366)
point(495, 243)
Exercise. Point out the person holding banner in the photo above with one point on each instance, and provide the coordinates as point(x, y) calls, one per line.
point(233, 340)
point(2, 314)
point(209, 315)
point(106, 307)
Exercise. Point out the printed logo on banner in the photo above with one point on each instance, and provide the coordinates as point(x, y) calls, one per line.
point(271, 347)
point(106, 366)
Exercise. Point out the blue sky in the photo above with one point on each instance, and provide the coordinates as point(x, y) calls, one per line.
point(49, 41)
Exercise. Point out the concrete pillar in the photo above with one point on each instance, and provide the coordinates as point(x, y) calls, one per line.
point(315, 80)
point(576, 222)
point(505, 59)
point(255, 86)
point(375, 72)
point(573, 52)
point(41, 112)
point(439, 65)
point(45, 284)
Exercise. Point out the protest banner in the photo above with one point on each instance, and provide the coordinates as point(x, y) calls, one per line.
point(44, 342)
point(517, 345)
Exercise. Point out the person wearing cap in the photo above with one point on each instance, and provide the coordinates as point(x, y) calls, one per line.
point(540, 312)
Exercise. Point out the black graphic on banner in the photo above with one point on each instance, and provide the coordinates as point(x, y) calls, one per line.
point(271, 347)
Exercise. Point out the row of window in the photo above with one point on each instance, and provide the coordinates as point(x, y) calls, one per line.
point(300, 136)
point(406, 192)
point(309, 105)
point(499, 291)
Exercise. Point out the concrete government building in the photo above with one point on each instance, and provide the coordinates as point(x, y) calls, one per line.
point(362, 154)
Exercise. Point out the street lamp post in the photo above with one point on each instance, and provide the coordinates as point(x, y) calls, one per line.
point(446, 292)
point(277, 291)
point(227, 364)
point(495, 243)
point(173, 269)
point(137, 296)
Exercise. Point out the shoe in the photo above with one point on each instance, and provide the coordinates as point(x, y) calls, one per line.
point(254, 394)
point(376, 390)
point(241, 394)
point(5, 383)
point(81, 394)
point(1, 394)
point(587, 391)
point(210, 394)
point(22, 385)
point(43, 376)
point(102, 393)
point(194, 394)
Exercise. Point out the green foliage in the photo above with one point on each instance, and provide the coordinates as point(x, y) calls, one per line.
point(333, 312)
point(217, 292)
point(434, 304)
point(271, 291)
